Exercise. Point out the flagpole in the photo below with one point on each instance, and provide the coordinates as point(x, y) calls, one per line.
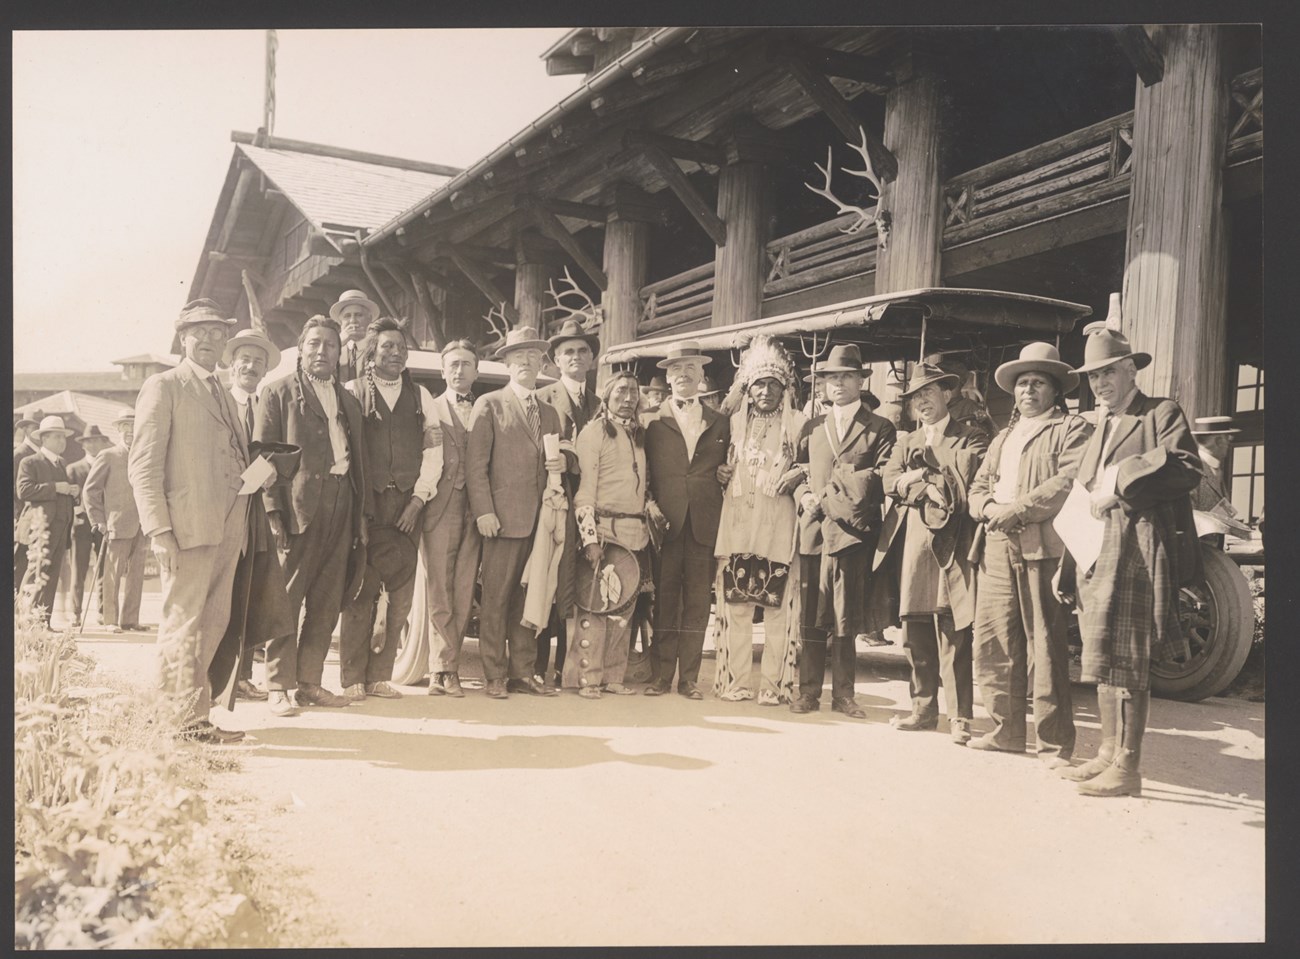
point(268, 99)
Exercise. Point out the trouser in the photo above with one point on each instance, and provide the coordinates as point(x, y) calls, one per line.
point(556, 628)
point(20, 562)
point(936, 651)
point(600, 646)
point(358, 662)
point(1019, 630)
point(451, 554)
point(812, 658)
point(84, 541)
point(196, 610)
point(49, 568)
point(506, 645)
point(316, 568)
point(738, 640)
point(682, 607)
point(124, 580)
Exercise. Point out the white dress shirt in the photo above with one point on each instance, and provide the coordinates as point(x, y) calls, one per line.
point(843, 416)
point(338, 435)
point(690, 419)
point(935, 430)
point(1026, 428)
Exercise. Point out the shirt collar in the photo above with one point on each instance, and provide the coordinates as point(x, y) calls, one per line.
point(199, 371)
point(49, 454)
point(1122, 406)
point(240, 394)
point(939, 428)
point(846, 412)
point(1210, 459)
point(574, 387)
point(520, 391)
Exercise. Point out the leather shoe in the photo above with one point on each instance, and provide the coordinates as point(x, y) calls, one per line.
point(204, 732)
point(959, 729)
point(309, 694)
point(382, 689)
point(848, 707)
point(988, 743)
point(496, 689)
point(690, 691)
point(530, 686)
point(805, 704)
point(659, 688)
point(245, 689)
point(281, 704)
point(436, 686)
point(915, 723)
point(451, 681)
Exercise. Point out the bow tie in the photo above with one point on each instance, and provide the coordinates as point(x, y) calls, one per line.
point(683, 404)
point(464, 398)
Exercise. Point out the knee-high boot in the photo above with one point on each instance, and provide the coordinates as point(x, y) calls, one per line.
point(1121, 778)
point(1108, 710)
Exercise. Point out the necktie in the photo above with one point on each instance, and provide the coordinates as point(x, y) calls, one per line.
point(248, 417)
point(534, 419)
point(464, 398)
point(685, 404)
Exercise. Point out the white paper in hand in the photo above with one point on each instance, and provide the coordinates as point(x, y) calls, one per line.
point(1078, 529)
point(257, 473)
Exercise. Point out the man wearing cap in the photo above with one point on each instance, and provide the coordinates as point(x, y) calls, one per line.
point(573, 350)
point(506, 475)
point(249, 354)
point(652, 398)
point(451, 541)
point(843, 452)
point(1020, 487)
point(928, 478)
point(110, 504)
point(1214, 436)
point(686, 456)
point(85, 538)
point(184, 467)
point(403, 463)
point(353, 312)
point(48, 502)
point(710, 395)
point(319, 516)
point(1139, 466)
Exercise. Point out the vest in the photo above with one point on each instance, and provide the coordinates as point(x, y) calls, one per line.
point(394, 442)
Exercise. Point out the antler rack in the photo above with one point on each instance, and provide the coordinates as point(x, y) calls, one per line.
point(588, 313)
point(499, 324)
point(865, 216)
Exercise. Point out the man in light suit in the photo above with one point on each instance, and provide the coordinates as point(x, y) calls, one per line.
point(184, 468)
point(318, 516)
point(46, 496)
point(574, 351)
point(110, 505)
point(506, 476)
point(686, 451)
point(451, 541)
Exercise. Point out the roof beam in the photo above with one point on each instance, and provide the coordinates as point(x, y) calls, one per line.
point(1142, 52)
point(550, 225)
point(342, 153)
point(483, 282)
point(850, 66)
point(822, 92)
point(691, 199)
point(560, 65)
point(675, 147)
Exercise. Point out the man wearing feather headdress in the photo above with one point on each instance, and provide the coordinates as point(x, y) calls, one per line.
point(756, 534)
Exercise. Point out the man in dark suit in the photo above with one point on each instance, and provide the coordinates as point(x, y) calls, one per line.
point(48, 500)
point(574, 351)
point(506, 475)
point(844, 450)
point(110, 505)
point(23, 448)
point(317, 516)
point(686, 452)
point(451, 541)
point(85, 538)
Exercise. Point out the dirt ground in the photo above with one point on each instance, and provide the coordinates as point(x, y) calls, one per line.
point(636, 821)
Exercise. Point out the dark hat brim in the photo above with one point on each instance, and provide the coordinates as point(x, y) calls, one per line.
point(949, 380)
point(591, 340)
point(1007, 374)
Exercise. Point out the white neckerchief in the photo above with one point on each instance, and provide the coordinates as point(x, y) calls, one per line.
point(935, 430)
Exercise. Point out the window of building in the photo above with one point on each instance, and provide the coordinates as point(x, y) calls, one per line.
point(1247, 490)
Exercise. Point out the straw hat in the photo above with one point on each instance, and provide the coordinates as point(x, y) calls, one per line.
point(521, 338)
point(355, 298)
point(52, 424)
point(252, 338)
point(1040, 357)
point(1214, 426)
point(685, 350)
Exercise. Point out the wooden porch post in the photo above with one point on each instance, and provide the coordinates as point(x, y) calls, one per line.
point(531, 275)
point(626, 257)
point(739, 266)
point(1175, 277)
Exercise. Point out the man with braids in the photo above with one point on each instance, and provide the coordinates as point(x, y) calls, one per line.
point(609, 508)
point(756, 534)
point(318, 515)
point(403, 463)
point(1021, 485)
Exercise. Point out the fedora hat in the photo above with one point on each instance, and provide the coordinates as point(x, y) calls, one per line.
point(93, 433)
point(52, 424)
point(658, 383)
point(572, 330)
point(283, 456)
point(202, 311)
point(685, 350)
point(844, 358)
point(1040, 357)
point(354, 298)
point(126, 416)
point(521, 338)
point(708, 387)
point(27, 419)
point(390, 556)
point(1214, 426)
point(1106, 346)
point(252, 338)
point(927, 373)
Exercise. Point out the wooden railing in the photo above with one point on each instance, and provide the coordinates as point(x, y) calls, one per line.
point(1246, 132)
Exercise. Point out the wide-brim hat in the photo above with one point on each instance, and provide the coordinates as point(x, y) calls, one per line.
point(1105, 347)
point(252, 338)
point(521, 338)
point(1214, 426)
point(52, 424)
point(610, 589)
point(844, 358)
point(1040, 357)
point(202, 311)
point(93, 433)
point(354, 298)
point(658, 383)
point(927, 373)
point(127, 416)
point(572, 330)
point(708, 388)
point(685, 350)
point(27, 419)
point(390, 555)
point(283, 456)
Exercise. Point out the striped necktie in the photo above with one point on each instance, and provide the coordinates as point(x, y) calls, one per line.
point(534, 418)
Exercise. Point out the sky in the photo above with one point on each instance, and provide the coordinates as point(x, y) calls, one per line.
point(122, 142)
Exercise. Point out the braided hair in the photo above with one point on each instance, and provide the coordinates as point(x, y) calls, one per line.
point(606, 415)
point(366, 359)
point(319, 320)
point(1058, 402)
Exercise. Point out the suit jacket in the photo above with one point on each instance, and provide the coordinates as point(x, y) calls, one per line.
point(77, 473)
point(21, 452)
point(455, 448)
point(35, 487)
point(289, 411)
point(687, 491)
point(107, 496)
point(185, 462)
point(572, 418)
point(854, 466)
point(506, 470)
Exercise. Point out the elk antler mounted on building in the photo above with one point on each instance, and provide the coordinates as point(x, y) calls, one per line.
point(588, 313)
point(499, 325)
point(866, 216)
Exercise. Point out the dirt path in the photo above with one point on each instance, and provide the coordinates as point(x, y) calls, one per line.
point(436, 822)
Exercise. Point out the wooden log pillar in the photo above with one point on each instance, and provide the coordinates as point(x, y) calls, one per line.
point(1175, 274)
point(531, 277)
point(627, 255)
point(740, 266)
